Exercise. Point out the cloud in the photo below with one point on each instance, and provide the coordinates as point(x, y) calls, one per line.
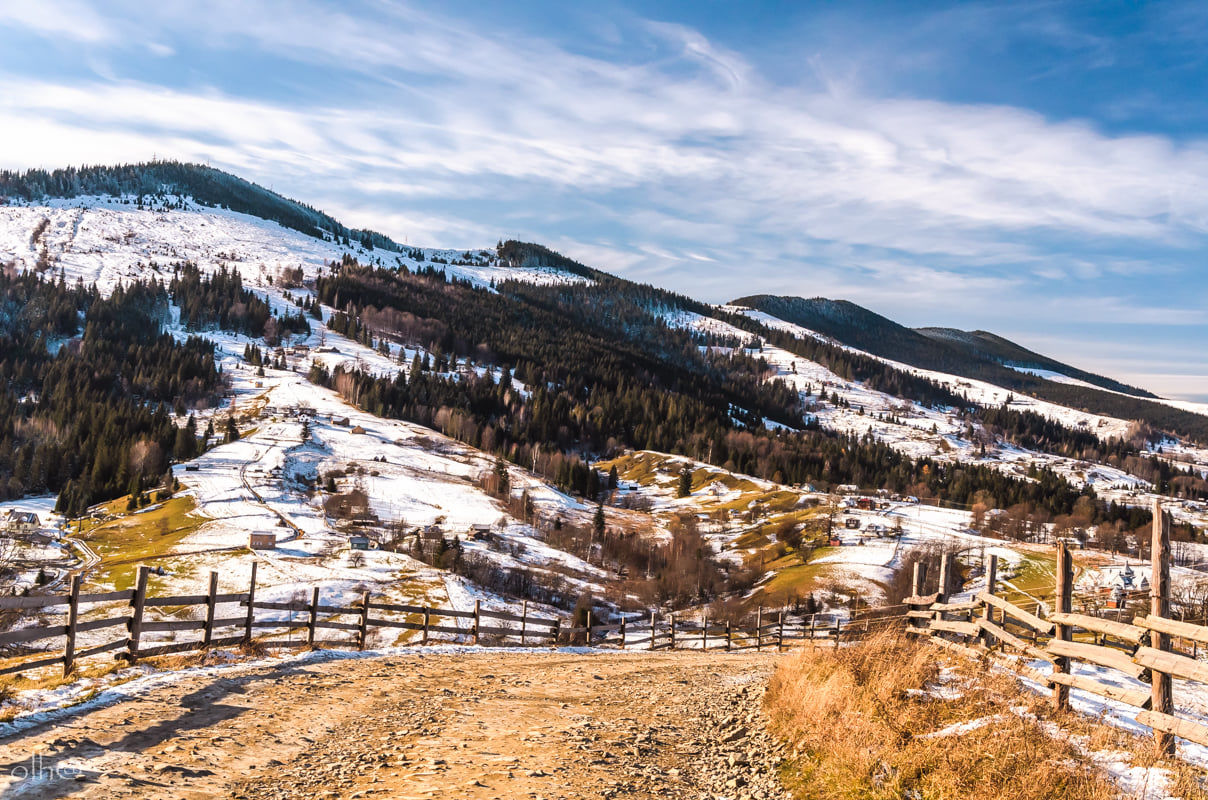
point(656, 152)
point(58, 18)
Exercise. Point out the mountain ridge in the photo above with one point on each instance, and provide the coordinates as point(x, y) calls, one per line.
point(206, 185)
point(942, 349)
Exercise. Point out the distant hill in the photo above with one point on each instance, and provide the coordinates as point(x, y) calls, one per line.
point(990, 346)
point(975, 354)
point(206, 185)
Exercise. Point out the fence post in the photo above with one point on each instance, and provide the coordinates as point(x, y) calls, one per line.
point(477, 612)
point(73, 614)
point(1065, 588)
point(523, 621)
point(427, 623)
point(363, 633)
point(557, 632)
point(251, 607)
point(988, 611)
point(729, 636)
point(704, 634)
point(136, 621)
point(673, 631)
point(780, 633)
point(587, 640)
point(918, 580)
point(314, 617)
point(653, 621)
point(758, 628)
point(813, 629)
point(1159, 606)
point(622, 633)
point(211, 601)
point(945, 576)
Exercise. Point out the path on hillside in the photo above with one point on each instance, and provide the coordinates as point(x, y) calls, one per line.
point(553, 725)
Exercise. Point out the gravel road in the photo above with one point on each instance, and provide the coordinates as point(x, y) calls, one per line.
point(553, 725)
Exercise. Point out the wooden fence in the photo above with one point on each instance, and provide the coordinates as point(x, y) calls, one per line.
point(988, 626)
point(311, 623)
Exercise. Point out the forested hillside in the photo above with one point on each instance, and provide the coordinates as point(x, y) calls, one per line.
point(602, 373)
point(91, 419)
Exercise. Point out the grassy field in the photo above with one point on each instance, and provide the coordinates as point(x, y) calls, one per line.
point(142, 537)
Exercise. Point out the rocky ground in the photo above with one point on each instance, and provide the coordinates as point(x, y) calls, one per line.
point(553, 725)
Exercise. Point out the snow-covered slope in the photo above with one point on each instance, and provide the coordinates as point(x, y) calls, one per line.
point(988, 394)
point(911, 428)
point(107, 240)
point(414, 477)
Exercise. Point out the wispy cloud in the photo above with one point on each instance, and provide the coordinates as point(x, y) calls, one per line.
point(661, 153)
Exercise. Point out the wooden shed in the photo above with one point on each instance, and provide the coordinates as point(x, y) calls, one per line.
point(262, 540)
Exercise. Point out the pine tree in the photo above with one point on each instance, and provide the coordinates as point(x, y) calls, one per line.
point(685, 482)
point(502, 482)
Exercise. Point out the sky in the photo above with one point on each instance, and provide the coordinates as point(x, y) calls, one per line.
point(1039, 170)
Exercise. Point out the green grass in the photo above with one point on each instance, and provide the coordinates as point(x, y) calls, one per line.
point(138, 538)
point(1035, 578)
point(648, 469)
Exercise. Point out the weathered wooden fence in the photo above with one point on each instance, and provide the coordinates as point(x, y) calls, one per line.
point(989, 626)
point(310, 623)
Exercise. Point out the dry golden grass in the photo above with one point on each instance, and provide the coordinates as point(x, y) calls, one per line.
point(859, 727)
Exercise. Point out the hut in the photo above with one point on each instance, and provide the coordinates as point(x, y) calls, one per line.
point(262, 540)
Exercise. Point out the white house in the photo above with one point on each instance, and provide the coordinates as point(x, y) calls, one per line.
point(21, 522)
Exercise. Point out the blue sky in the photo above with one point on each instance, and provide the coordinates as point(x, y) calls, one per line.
point(1035, 169)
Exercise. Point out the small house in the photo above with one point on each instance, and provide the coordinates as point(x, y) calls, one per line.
point(866, 504)
point(262, 540)
point(357, 429)
point(21, 522)
point(835, 541)
point(851, 523)
point(479, 531)
point(358, 542)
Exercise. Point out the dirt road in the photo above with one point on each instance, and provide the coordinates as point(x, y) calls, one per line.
point(553, 725)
